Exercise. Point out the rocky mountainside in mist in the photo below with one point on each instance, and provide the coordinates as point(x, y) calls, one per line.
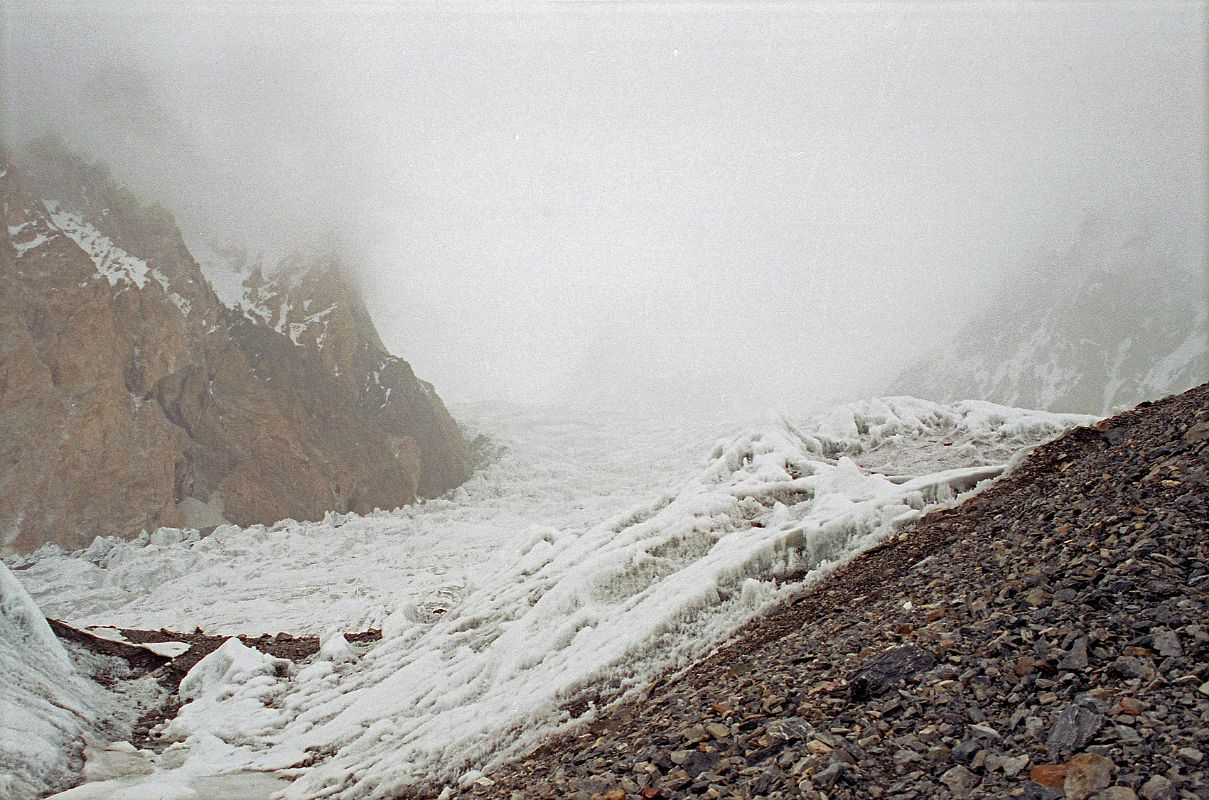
point(1119, 318)
point(133, 397)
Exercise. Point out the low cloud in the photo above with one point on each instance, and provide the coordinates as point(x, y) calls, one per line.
point(655, 207)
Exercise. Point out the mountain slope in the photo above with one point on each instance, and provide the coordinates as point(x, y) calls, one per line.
point(1119, 318)
point(68, 388)
point(131, 397)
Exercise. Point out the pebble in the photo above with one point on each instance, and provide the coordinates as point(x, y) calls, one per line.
point(1158, 788)
point(959, 780)
point(1086, 774)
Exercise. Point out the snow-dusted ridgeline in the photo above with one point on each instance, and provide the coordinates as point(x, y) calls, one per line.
point(119, 268)
point(277, 300)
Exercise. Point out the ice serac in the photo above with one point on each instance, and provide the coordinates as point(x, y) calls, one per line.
point(132, 397)
point(44, 705)
point(1121, 316)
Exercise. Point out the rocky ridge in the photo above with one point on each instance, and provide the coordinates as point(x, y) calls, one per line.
point(1045, 639)
point(132, 397)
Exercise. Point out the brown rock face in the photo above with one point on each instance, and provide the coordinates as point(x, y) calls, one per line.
point(131, 397)
point(317, 308)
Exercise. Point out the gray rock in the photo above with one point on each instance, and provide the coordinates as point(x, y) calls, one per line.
point(983, 732)
point(1190, 755)
point(826, 778)
point(1012, 766)
point(959, 780)
point(681, 756)
point(886, 669)
point(1158, 788)
point(1197, 433)
point(1074, 727)
point(789, 728)
point(1076, 657)
point(700, 762)
point(1129, 667)
point(966, 750)
point(1128, 735)
point(1035, 791)
point(1167, 643)
point(1034, 728)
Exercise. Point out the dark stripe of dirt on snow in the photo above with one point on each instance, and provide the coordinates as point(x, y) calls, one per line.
point(170, 671)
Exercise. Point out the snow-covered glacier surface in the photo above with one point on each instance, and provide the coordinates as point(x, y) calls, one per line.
point(586, 558)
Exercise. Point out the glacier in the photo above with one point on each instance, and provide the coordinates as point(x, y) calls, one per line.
point(587, 558)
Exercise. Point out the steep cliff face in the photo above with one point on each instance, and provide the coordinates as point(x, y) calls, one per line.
point(1120, 317)
point(82, 453)
point(316, 306)
point(132, 397)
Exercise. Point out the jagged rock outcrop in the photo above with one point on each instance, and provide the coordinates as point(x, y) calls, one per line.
point(1120, 317)
point(316, 306)
point(132, 397)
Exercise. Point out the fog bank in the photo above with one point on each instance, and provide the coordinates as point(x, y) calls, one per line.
point(676, 208)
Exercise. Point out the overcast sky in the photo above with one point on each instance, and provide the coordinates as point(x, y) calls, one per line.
point(699, 207)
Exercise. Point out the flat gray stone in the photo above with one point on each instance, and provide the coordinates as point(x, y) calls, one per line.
point(1075, 726)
